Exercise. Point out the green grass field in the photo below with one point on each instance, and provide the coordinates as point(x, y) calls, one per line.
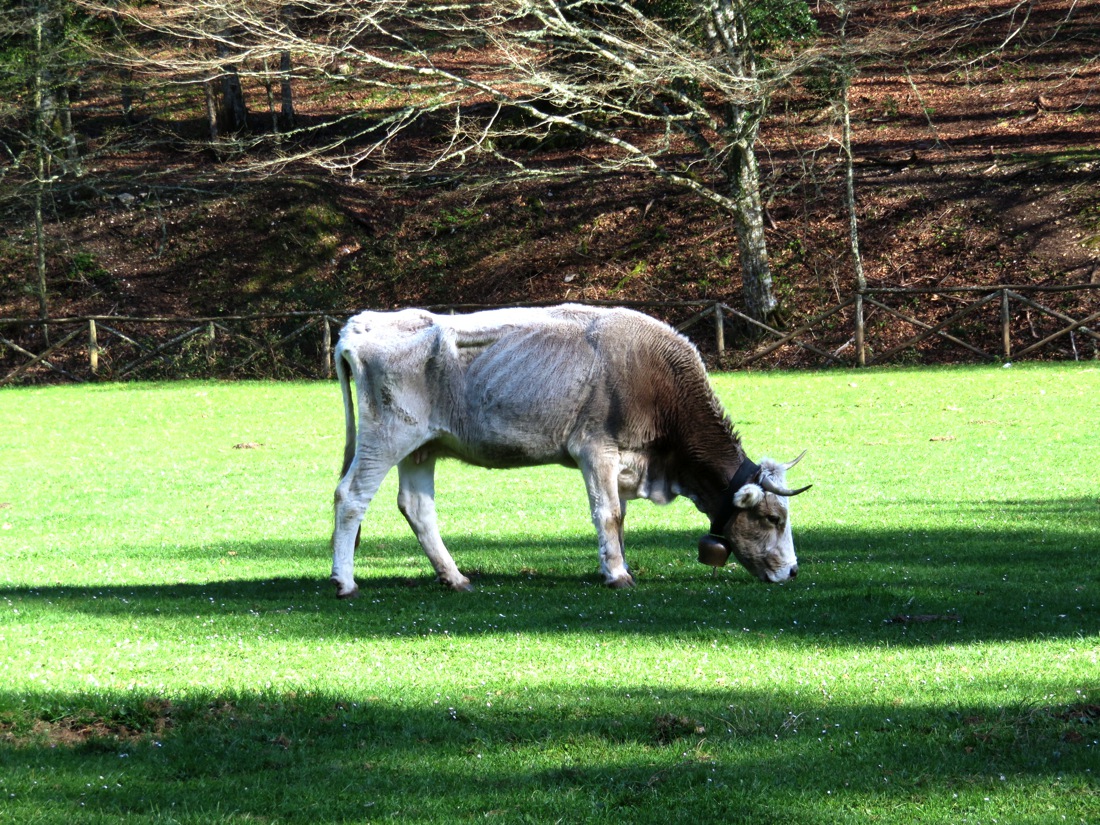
point(171, 650)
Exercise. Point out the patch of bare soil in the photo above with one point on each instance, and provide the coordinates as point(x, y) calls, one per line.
point(88, 729)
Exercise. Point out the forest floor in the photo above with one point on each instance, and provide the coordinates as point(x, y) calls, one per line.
point(966, 175)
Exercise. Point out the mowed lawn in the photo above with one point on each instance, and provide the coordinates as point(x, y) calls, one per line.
point(171, 650)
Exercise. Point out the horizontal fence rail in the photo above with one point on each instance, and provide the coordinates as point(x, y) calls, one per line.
point(871, 327)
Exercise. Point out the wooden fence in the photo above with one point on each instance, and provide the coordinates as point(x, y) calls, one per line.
point(873, 327)
point(946, 324)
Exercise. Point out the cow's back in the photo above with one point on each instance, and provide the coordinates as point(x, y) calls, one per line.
point(536, 388)
point(523, 386)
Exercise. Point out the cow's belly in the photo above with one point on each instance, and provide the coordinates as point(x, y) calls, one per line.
point(500, 452)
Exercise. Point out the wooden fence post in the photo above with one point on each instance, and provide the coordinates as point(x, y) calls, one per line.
point(326, 348)
point(1006, 326)
point(861, 349)
point(210, 344)
point(719, 331)
point(93, 347)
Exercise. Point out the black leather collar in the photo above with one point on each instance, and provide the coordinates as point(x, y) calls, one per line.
point(745, 473)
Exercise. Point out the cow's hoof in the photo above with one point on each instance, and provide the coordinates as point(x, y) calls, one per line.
point(460, 586)
point(622, 582)
point(343, 592)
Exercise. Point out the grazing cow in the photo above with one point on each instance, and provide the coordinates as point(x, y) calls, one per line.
point(612, 392)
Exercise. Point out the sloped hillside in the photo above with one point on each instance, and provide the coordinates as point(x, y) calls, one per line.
point(966, 174)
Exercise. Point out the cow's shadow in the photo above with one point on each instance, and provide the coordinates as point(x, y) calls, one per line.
point(859, 585)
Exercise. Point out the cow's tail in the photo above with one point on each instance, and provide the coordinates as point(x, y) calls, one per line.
point(344, 368)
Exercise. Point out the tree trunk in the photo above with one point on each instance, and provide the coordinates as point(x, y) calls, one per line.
point(40, 150)
point(744, 177)
point(756, 274)
point(850, 188)
point(211, 110)
point(727, 30)
point(40, 255)
point(127, 94)
point(853, 218)
point(234, 112)
point(68, 135)
point(288, 95)
point(270, 90)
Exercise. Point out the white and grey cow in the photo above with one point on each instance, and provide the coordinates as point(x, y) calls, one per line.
point(612, 392)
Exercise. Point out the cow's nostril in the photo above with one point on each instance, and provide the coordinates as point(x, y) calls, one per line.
point(794, 571)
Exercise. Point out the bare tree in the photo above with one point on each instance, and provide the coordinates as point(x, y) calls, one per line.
point(680, 97)
point(41, 48)
point(675, 88)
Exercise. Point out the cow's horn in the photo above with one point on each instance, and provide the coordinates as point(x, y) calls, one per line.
point(790, 464)
point(772, 487)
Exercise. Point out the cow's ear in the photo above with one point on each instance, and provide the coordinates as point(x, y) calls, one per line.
point(748, 496)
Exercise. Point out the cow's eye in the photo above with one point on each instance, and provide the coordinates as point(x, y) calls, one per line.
point(774, 520)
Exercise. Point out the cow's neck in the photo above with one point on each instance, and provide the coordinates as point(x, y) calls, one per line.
point(704, 450)
point(712, 457)
point(710, 482)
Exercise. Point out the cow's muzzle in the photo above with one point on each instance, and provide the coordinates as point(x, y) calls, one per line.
point(784, 574)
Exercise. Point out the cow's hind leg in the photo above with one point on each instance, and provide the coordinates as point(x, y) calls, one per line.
point(354, 494)
point(608, 513)
point(416, 500)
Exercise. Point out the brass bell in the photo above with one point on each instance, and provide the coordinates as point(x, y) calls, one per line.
point(713, 551)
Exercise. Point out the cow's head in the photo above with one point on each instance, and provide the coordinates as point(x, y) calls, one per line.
point(754, 523)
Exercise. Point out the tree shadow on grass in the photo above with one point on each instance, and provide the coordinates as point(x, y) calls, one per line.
point(582, 752)
point(603, 753)
point(909, 587)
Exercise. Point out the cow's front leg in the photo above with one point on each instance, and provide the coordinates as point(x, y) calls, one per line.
point(608, 514)
point(354, 494)
point(416, 500)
